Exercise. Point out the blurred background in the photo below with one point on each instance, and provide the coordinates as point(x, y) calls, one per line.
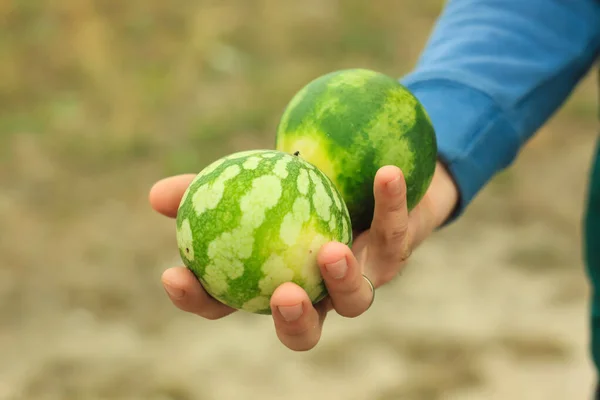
point(99, 99)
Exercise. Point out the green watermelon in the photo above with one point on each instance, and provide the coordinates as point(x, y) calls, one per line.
point(255, 219)
point(349, 123)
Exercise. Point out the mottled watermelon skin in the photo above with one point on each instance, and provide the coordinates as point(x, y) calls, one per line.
point(349, 123)
point(256, 219)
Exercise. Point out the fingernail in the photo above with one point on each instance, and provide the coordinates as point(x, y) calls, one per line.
point(174, 292)
point(393, 186)
point(338, 269)
point(290, 313)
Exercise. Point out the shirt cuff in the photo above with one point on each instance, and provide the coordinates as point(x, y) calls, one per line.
point(474, 136)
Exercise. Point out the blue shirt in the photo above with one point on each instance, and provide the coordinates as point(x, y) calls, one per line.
point(494, 71)
point(491, 74)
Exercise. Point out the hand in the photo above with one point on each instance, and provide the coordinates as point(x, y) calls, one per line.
point(379, 253)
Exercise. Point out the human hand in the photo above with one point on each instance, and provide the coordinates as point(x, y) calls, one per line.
point(378, 253)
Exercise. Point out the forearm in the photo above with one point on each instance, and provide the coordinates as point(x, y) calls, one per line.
point(494, 71)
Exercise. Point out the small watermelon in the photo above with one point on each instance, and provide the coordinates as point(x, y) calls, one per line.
point(255, 219)
point(349, 123)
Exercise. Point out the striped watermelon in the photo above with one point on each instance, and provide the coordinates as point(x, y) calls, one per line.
point(256, 219)
point(349, 123)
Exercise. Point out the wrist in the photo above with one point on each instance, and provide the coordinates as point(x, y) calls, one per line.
point(443, 194)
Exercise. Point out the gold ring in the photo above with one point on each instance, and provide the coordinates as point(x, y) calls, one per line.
point(372, 290)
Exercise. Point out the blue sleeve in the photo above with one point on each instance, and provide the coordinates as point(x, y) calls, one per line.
point(494, 71)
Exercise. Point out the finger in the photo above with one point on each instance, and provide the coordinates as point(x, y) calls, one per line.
point(166, 194)
point(351, 295)
point(297, 323)
point(186, 292)
point(389, 241)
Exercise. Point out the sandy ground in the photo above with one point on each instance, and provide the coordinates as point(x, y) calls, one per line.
point(493, 307)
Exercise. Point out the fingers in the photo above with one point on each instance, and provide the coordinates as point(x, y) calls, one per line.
point(351, 295)
point(166, 194)
point(297, 323)
point(389, 239)
point(186, 292)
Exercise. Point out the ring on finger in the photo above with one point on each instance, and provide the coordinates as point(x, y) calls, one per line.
point(372, 290)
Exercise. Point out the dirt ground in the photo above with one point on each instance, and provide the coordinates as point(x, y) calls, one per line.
point(100, 99)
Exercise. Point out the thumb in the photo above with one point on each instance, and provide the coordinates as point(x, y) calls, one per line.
point(389, 240)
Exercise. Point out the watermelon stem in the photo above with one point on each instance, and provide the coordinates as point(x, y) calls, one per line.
point(297, 153)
